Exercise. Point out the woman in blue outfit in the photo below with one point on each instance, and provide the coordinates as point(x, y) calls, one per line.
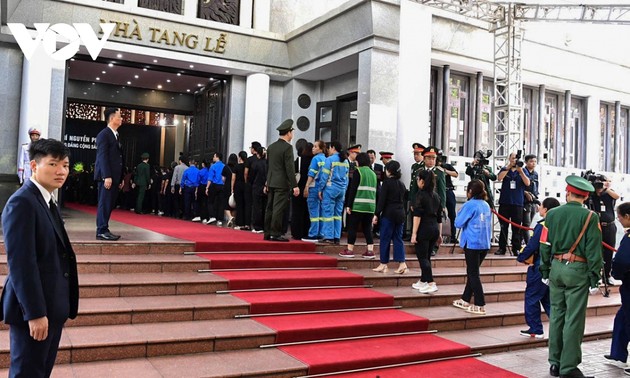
point(313, 201)
point(475, 221)
point(332, 192)
point(621, 271)
point(391, 215)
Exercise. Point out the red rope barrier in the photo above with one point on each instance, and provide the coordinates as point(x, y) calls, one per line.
point(530, 229)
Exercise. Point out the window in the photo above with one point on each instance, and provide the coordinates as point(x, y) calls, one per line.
point(548, 135)
point(170, 6)
point(622, 142)
point(458, 115)
point(607, 129)
point(574, 140)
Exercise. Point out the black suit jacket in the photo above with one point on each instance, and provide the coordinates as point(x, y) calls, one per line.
point(42, 278)
point(379, 170)
point(109, 159)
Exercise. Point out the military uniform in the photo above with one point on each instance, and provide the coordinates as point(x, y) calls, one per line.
point(440, 182)
point(142, 179)
point(570, 276)
point(280, 178)
point(413, 185)
point(24, 162)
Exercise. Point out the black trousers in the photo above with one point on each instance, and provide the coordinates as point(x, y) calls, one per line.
point(474, 259)
point(515, 214)
point(248, 196)
point(356, 218)
point(300, 219)
point(423, 253)
point(259, 207)
point(277, 204)
point(609, 236)
point(451, 202)
point(30, 358)
point(216, 202)
point(239, 198)
point(202, 202)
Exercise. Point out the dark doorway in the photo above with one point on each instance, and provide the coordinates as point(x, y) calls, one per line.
point(336, 120)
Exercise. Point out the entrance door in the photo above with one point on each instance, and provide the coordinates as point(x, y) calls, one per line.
point(326, 127)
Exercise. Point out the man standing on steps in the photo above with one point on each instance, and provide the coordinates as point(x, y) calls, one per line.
point(41, 290)
point(280, 178)
point(571, 263)
point(108, 172)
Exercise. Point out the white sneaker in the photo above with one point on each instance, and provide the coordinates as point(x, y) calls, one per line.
point(419, 285)
point(219, 224)
point(211, 220)
point(430, 288)
point(160, 213)
point(257, 231)
point(196, 219)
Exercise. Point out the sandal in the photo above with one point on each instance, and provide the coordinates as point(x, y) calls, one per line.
point(460, 303)
point(479, 310)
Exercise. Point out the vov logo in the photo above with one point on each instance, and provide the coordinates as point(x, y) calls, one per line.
point(47, 36)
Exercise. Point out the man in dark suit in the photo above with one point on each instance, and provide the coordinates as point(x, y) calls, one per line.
point(280, 178)
point(108, 172)
point(142, 181)
point(42, 290)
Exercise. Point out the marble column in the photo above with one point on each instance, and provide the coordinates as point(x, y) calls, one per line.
point(256, 110)
point(593, 133)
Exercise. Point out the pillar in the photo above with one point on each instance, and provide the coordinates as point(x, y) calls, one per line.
point(256, 110)
point(262, 14)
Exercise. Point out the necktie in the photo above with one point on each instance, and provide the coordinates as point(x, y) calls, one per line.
point(55, 215)
point(116, 133)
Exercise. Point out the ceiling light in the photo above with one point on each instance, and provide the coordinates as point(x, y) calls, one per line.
point(162, 122)
point(136, 76)
point(119, 56)
point(154, 60)
point(227, 71)
point(111, 65)
point(179, 74)
point(72, 59)
point(103, 72)
point(200, 85)
point(129, 83)
point(187, 90)
point(192, 66)
point(98, 78)
point(176, 122)
point(85, 93)
point(93, 83)
point(144, 69)
point(168, 80)
point(159, 86)
point(117, 91)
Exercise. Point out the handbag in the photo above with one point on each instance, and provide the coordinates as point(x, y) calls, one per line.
point(232, 201)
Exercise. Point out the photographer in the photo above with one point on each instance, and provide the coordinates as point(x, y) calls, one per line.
point(531, 195)
point(514, 179)
point(602, 201)
point(480, 170)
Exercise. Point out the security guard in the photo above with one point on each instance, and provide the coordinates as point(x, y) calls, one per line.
point(280, 179)
point(353, 151)
point(142, 181)
point(24, 163)
point(332, 190)
point(570, 261)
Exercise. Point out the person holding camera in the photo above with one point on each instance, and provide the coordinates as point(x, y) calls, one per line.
point(480, 170)
point(514, 179)
point(531, 195)
point(602, 201)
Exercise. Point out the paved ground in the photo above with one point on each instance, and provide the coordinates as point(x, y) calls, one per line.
point(532, 363)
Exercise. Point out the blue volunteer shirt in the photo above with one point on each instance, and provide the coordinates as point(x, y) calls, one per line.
point(513, 188)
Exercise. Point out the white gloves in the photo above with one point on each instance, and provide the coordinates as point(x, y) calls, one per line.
point(545, 281)
point(593, 290)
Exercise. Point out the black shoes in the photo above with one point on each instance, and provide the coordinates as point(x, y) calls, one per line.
point(278, 239)
point(501, 252)
point(107, 236)
point(554, 370)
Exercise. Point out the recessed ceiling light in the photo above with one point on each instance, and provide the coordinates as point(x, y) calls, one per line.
point(168, 80)
point(117, 91)
point(162, 122)
point(187, 90)
point(111, 65)
point(136, 76)
point(200, 85)
point(129, 83)
point(179, 74)
point(172, 98)
point(72, 59)
point(119, 56)
point(192, 66)
point(227, 71)
point(159, 86)
point(84, 93)
point(154, 60)
point(98, 78)
point(211, 79)
point(93, 83)
point(103, 72)
point(144, 69)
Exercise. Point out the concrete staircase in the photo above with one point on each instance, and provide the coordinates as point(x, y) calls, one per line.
point(145, 311)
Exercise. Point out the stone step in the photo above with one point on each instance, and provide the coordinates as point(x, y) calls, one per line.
point(132, 263)
point(360, 246)
point(440, 260)
point(122, 247)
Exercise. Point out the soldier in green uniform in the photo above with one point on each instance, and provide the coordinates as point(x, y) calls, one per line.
point(280, 178)
point(142, 181)
point(571, 263)
point(416, 167)
point(430, 163)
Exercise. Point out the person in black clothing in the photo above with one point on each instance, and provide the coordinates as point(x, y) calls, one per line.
point(249, 180)
point(154, 194)
point(238, 186)
point(602, 201)
point(228, 188)
point(531, 195)
point(451, 201)
point(426, 231)
point(390, 213)
point(259, 197)
point(300, 219)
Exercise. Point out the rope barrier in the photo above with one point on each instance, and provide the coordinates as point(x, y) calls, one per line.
point(531, 229)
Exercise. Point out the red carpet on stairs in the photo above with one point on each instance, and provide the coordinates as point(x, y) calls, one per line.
point(268, 279)
point(462, 367)
point(291, 328)
point(206, 238)
point(357, 354)
point(264, 260)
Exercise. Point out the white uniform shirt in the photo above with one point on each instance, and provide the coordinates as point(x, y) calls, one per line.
point(24, 164)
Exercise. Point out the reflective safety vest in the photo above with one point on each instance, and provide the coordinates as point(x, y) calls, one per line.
point(365, 199)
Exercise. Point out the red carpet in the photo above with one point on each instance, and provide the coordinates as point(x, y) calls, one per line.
point(313, 300)
point(267, 279)
point(465, 367)
point(261, 260)
point(357, 354)
point(291, 328)
point(206, 238)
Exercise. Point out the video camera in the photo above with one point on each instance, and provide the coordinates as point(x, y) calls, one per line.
point(519, 162)
point(597, 179)
point(482, 162)
point(441, 158)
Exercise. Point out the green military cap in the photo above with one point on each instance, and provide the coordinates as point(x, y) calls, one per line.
point(579, 185)
point(145, 155)
point(356, 148)
point(287, 125)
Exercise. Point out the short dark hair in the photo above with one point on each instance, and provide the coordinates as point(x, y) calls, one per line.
point(243, 155)
point(624, 209)
point(550, 202)
point(530, 157)
point(393, 167)
point(363, 159)
point(45, 147)
point(255, 145)
point(109, 111)
point(219, 155)
point(184, 159)
point(371, 152)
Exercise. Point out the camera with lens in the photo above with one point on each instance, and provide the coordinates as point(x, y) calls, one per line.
point(597, 179)
point(441, 158)
point(479, 166)
point(519, 162)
